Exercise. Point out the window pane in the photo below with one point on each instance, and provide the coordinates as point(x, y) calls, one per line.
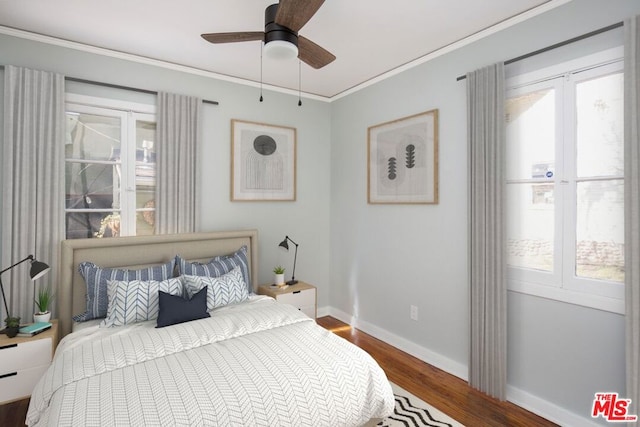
point(91, 136)
point(600, 230)
point(92, 186)
point(531, 135)
point(145, 156)
point(530, 225)
point(599, 109)
point(92, 224)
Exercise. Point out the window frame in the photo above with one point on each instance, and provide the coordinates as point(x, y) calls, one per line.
point(129, 113)
point(562, 284)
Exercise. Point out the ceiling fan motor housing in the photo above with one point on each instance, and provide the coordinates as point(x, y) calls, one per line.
point(273, 31)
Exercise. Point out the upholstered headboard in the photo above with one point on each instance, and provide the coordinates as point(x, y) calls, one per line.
point(140, 251)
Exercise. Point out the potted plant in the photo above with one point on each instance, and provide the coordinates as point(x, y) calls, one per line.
point(279, 272)
point(13, 324)
point(43, 301)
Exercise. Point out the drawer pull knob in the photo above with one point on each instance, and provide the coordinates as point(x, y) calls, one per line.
point(8, 375)
point(296, 292)
point(4, 347)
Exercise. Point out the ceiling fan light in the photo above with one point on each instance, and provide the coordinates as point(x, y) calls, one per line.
point(280, 49)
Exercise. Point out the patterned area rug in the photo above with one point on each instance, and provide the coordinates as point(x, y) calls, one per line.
point(411, 411)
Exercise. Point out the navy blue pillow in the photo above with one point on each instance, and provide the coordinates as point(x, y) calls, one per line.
point(175, 309)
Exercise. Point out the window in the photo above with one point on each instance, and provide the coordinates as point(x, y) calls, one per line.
point(109, 168)
point(565, 187)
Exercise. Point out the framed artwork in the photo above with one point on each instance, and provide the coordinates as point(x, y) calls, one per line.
point(402, 163)
point(263, 161)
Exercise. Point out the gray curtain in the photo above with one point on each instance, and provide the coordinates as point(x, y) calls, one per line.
point(487, 264)
point(32, 181)
point(632, 208)
point(178, 130)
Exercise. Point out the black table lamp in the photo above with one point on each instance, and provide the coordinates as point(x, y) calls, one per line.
point(285, 245)
point(38, 269)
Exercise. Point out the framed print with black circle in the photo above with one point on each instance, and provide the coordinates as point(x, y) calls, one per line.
point(263, 162)
point(402, 163)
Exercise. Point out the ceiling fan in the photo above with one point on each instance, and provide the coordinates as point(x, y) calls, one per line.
point(282, 21)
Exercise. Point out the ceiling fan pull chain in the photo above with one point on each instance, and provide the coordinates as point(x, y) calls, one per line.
point(299, 83)
point(261, 50)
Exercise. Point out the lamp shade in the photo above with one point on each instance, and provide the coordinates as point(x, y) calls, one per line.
point(38, 269)
point(284, 244)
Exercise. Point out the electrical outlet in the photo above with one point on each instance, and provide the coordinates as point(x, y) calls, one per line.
point(414, 312)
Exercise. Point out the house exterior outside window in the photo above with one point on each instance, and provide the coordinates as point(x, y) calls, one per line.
point(110, 165)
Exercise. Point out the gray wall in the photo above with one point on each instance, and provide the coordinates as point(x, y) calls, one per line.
point(388, 257)
point(305, 220)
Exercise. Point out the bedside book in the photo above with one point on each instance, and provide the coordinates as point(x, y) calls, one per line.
point(33, 329)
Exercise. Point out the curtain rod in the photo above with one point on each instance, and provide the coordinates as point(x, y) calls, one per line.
point(114, 86)
point(560, 44)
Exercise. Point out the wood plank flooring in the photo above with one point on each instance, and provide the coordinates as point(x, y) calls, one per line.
point(444, 391)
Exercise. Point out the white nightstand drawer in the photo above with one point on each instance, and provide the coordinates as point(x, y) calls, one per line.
point(25, 355)
point(309, 311)
point(299, 299)
point(21, 384)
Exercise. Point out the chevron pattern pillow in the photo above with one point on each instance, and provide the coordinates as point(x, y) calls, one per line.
point(96, 278)
point(137, 300)
point(217, 266)
point(226, 289)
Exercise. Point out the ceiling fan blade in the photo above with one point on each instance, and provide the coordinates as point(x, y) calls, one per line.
point(312, 54)
point(245, 36)
point(293, 14)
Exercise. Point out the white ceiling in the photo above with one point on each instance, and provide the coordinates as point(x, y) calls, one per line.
point(370, 38)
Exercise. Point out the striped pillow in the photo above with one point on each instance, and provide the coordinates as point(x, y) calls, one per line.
point(137, 300)
point(96, 280)
point(218, 266)
point(226, 289)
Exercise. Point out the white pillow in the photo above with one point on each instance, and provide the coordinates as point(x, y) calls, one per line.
point(137, 300)
point(226, 289)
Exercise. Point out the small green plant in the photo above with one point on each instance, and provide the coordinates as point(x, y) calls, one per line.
point(12, 322)
point(43, 301)
point(279, 270)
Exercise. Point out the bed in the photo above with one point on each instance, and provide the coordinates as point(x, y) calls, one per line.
point(250, 362)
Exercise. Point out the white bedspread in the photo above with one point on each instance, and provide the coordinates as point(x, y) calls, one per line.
point(256, 364)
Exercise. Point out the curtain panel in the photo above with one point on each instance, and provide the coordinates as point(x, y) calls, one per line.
point(32, 181)
point(487, 263)
point(178, 133)
point(632, 208)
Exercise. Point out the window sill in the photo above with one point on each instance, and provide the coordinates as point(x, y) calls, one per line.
point(612, 305)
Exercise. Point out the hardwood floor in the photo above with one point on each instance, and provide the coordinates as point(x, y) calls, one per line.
point(444, 391)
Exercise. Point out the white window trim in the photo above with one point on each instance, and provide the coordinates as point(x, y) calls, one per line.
point(543, 284)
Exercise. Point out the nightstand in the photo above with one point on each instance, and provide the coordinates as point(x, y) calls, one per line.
point(23, 360)
point(301, 295)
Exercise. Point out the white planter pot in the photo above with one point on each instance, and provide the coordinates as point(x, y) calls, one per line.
point(42, 317)
point(280, 279)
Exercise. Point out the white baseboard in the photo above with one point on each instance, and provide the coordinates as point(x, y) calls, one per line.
point(528, 401)
point(422, 353)
point(548, 410)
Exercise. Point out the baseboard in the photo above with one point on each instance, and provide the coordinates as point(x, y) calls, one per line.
point(422, 353)
point(548, 410)
point(525, 400)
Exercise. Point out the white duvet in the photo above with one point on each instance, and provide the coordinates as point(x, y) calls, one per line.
point(260, 363)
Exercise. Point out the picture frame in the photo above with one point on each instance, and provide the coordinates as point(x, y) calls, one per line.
point(402, 160)
point(263, 162)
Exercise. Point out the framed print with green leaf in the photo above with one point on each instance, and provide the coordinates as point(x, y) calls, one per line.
point(402, 165)
point(263, 162)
